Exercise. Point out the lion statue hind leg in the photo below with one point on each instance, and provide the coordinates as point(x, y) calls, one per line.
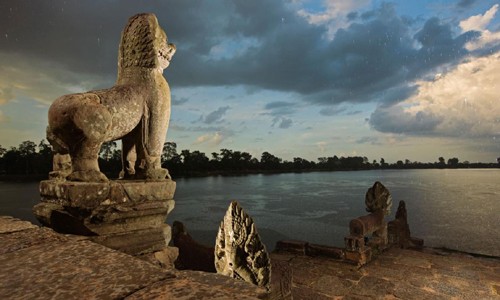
point(94, 121)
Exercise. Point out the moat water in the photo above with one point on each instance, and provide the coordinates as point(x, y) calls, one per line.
point(457, 209)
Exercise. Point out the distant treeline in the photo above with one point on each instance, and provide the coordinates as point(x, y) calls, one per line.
point(32, 160)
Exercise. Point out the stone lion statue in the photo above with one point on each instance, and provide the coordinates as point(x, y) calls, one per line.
point(135, 110)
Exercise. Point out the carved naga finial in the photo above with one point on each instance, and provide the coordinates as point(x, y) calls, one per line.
point(378, 197)
point(239, 253)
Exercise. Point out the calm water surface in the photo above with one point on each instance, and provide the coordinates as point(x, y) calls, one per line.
point(458, 209)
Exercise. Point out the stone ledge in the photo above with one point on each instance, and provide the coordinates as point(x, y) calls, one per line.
point(91, 195)
point(9, 224)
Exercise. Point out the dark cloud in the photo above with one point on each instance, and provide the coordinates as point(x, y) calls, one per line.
point(352, 16)
point(332, 111)
point(395, 120)
point(216, 115)
point(179, 101)
point(465, 3)
point(271, 48)
point(282, 122)
point(280, 108)
point(369, 140)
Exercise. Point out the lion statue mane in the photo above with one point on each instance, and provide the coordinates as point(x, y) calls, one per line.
point(135, 110)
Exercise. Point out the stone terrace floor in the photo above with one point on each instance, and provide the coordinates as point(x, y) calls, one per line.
point(37, 263)
point(396, 274)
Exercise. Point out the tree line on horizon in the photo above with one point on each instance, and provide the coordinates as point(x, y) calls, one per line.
point(30, 159)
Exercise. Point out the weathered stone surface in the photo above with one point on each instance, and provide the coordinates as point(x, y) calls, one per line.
point(192, 255)
point(136, 110)
point(396, 274)
point(90, 195)
point(76, 270)
point(17, 240)
point(37, 263)
point(137, 242)
point(291, 246)
point(126, 215)
point(164, 258)
point(10, 224)
point(281, 279)
point(200, 285)
point(239, 253)
point(321, 250)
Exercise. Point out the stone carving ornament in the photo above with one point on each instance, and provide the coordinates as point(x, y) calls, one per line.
point(136, 110)
point(239, 253)
point(377, 198)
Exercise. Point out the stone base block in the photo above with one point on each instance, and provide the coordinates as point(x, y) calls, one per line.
point(321, 250)
point(291, 246)
point(354, 243)
point(359, 257)
point(125, 215)
point(137, 242)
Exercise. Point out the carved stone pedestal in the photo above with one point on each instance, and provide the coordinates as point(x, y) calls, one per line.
point(125, 215)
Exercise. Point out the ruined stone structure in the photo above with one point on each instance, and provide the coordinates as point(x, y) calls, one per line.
point(399, 230)
point(127, 215)
point(239, 253)
point(136, 110)
point(359, 245)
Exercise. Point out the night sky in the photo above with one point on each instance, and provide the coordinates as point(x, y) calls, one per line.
point(400, 80)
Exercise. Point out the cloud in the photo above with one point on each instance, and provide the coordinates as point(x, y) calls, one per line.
point(461, 103)
point(322, 145)
point(335, 15)
point(43, 82)
point(465, 3)
point(6, 95)
point(282, 122)
point(369, 140)
point(283, 48)
point(216, 115)
point(332, 111)
point(395, 119)
point(280, 108)
point(179, 101)
point(479, 23)
point(213, 139)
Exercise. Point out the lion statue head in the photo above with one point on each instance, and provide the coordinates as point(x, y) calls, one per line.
point(144, 44)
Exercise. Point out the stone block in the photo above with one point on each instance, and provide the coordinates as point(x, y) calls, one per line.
point(10, 224)
point(127, 215)
point(164, 258)
point(92, 194)
point(365, 225)
point(354, 243)
point(137, 242)
point(359, 257)
point(291, 246)
point(321, 250)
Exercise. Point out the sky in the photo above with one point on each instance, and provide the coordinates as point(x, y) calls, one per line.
point(299, 78)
